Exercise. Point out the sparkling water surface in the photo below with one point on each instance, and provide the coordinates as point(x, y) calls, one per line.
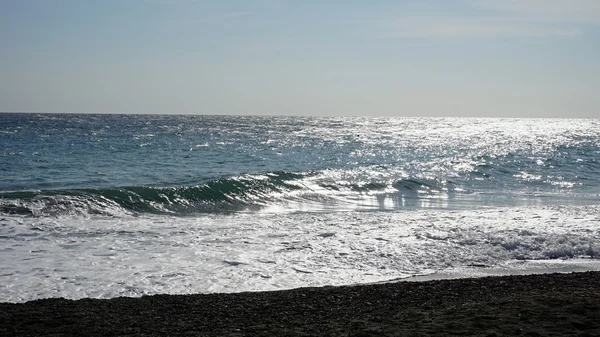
point(126, 205)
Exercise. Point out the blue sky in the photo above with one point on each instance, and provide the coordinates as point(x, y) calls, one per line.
point(496, 58)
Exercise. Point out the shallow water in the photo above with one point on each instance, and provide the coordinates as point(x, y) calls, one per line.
point(134, 255)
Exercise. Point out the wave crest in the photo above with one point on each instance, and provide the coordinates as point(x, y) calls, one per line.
point(218, 195)
point(241, 193)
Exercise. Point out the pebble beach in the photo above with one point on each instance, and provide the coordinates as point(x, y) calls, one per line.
point(531, 305)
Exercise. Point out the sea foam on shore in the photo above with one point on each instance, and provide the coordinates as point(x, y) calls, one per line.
point(104, 257)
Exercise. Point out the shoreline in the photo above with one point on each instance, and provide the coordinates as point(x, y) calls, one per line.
point(514, 268)
point(532, 305)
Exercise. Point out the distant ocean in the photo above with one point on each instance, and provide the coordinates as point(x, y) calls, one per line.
point(126, 205)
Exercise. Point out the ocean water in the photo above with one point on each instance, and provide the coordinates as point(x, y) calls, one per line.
point(127, 205)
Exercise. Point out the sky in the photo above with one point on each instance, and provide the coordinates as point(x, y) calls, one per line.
point(458, 58)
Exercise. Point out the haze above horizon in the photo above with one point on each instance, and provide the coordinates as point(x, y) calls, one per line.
point(462, 58)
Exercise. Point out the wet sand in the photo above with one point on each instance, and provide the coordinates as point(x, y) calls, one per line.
point(533, 305)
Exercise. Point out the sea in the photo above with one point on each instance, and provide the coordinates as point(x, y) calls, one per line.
point(103, 206)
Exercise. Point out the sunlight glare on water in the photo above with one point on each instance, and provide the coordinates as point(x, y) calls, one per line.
point(127, 205)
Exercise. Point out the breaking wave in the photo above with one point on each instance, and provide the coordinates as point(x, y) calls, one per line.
point(246, 192)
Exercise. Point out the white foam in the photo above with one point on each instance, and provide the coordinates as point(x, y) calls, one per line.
point(103, 256)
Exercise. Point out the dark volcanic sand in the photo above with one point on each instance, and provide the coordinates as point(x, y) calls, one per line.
point(535, 305)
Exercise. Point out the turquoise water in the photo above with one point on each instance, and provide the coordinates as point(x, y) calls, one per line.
point(127, 205)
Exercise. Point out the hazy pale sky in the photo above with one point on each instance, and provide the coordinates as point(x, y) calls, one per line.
point(500, 58)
